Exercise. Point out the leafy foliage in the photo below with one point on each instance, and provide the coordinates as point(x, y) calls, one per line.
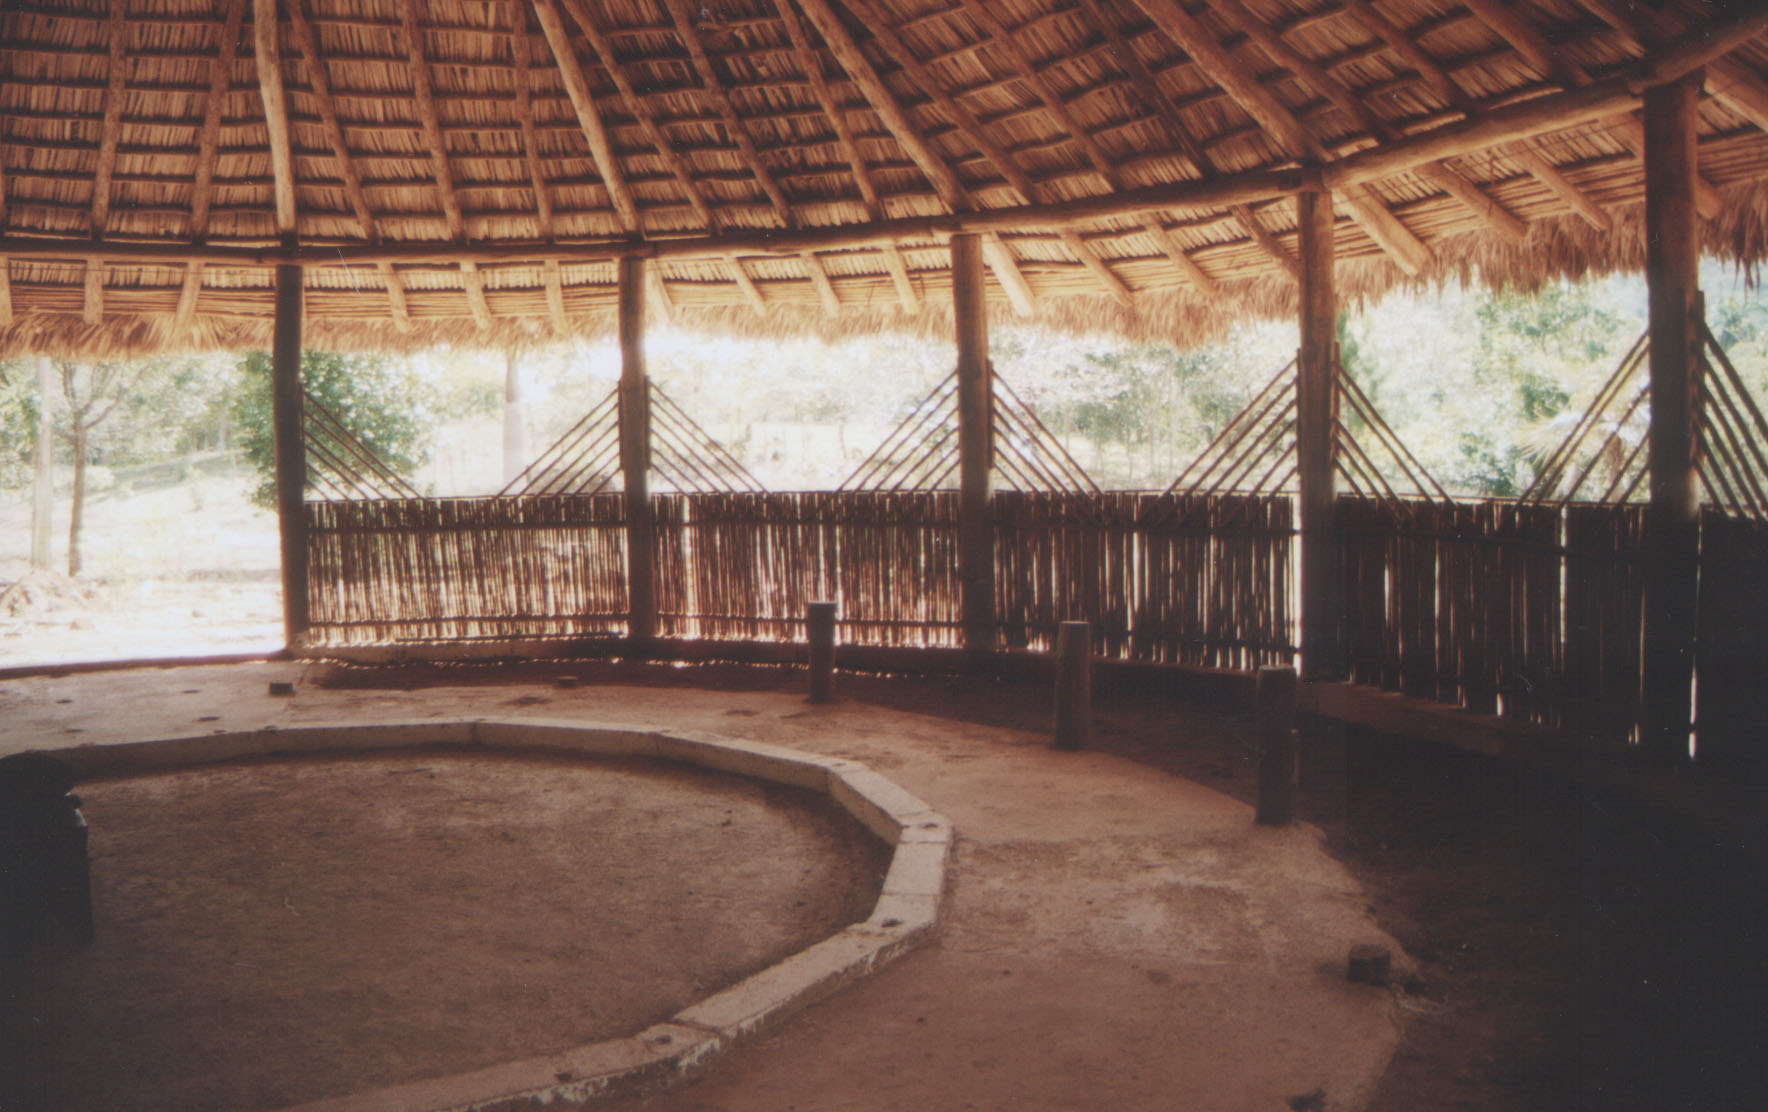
point(379, 399)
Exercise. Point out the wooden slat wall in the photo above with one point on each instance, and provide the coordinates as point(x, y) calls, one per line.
point(1732, 670)
point(1528, 611)
point(743, 566)
point(426, 569)
point(1200, 580)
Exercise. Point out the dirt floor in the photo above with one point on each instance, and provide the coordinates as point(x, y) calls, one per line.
point(1564, 949)
point(333, 909)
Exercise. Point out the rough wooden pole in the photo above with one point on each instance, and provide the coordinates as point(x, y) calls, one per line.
point(819, 621)
point(1672, 258)
point(635, 456)
point(1276, 745)
point(1322, 597)
point(43, 467)
point(975, 444)
point(1074, 685)
point(291, 450)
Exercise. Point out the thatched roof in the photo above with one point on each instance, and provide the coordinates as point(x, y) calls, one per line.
point(470, 169)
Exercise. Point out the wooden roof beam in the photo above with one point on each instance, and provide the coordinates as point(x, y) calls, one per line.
point(268, 52)
point(973, 131)
point(92, 309)
point(1167, 113)
point(425, 96)
point(951, 191)
point(1029, 72)
point(1528, 41)
point(1393, 237)
point(319, 87)
point(208, 144)
point(641, 111)
point(1438, 173)
point(647, 120)
point(733, 126)
point(1532, 162)
point(808, 61)
point(522, 78)
point(601, 150)
point(1728, 82)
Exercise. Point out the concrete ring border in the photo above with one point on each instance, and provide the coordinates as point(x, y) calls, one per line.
point(905, 915)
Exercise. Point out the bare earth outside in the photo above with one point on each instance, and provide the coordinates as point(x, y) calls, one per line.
point(279, 931)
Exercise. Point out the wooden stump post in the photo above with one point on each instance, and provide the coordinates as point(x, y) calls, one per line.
point(1276, 745)
point(286, 407)
point(819, 621)
point(1074, 685)
point(635, 458)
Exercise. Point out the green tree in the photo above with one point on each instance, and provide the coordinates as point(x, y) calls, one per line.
point(380, 400)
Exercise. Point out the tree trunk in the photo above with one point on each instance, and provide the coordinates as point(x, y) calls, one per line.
point(78, 503)
point(515, 449)
point(43, 466)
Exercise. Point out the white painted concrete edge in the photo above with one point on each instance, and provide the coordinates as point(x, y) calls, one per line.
point(905, 915)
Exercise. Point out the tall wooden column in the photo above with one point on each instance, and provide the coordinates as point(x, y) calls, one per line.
point(635, 456)
point(1322, 595)
point(1672, 259)
point(286, 399)
point(975, 444)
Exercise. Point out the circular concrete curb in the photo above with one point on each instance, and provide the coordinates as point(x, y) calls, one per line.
point(905, 915)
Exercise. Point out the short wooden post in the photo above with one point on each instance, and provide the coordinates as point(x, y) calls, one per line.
point(1276, 745)
point(287, 402)
point(975, 444)
point(819, 621)
point(635, 457)
point(1074, 685)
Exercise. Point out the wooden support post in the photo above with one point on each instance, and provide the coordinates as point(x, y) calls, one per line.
point(1074, 685)
point(1276, 745)
point(635, 457)
point(1322, 595)
point(819, 622)
point(975, 444)
point(291, 450)
point(43, 466)
point(1672, 261)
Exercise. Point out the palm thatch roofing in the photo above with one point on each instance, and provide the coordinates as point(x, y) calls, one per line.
point(471, 170)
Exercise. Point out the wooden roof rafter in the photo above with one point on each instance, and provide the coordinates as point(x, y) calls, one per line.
point(267, 51)
point(319, 87)
point(117, 35)
point(208, 143)
point(424, 94)
point(1109, 172)
point(811, 65)
point(1440, 174)
point(733, 124)
point(522, 79)
point(641, 110)
point(973, 131)
point(1287, 132)
point(1528, 41)
point(1148, 87)
point(952, 192)
point(1646, 29)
